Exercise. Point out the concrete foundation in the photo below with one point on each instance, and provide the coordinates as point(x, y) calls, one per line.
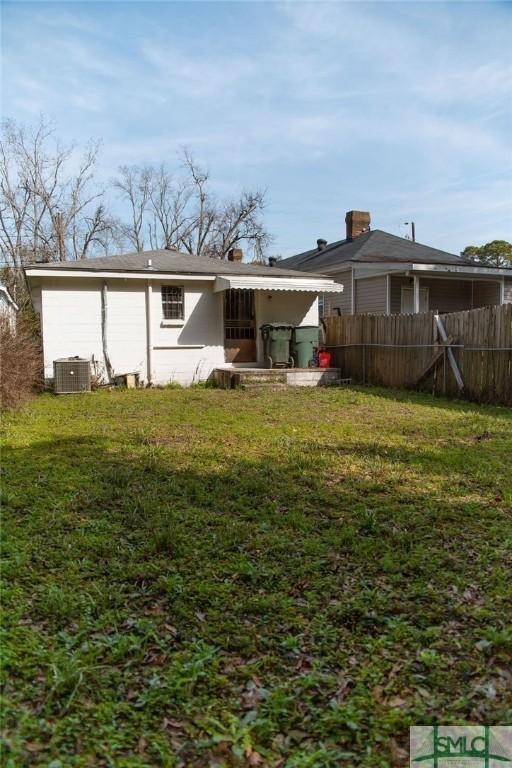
point(272, 377)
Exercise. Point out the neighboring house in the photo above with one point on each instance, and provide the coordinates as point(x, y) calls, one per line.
point(167, 315)
point(8, 307)
point(386, 274)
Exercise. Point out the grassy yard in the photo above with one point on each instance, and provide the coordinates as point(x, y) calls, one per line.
point(210, 578)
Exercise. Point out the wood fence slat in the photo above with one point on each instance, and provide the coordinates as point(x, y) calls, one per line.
point(392, 350)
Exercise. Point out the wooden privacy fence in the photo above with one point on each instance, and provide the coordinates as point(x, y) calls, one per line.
point(408, 351)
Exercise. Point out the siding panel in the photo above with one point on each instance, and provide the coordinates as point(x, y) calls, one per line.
point(486, 293)
point(447, 295)
point(371, 295)
point(71, 311)
point(341, 301)
point(450, 295)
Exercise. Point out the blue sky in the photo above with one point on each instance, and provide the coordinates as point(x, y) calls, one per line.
point(403, 109)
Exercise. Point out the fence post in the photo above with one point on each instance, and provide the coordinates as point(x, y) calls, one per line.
point(364, 363)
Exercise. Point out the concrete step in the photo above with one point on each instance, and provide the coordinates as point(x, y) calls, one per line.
point(266, 385)
point(264, 377)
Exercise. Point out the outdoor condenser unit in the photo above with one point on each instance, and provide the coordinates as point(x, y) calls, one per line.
point(71, 374)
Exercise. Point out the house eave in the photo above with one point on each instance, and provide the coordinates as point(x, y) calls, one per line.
point(120, 275)
point(491, 271)
point(373, 269)
point(222, 282)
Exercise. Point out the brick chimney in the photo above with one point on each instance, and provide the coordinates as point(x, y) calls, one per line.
point(235, 254)
point(357, 222)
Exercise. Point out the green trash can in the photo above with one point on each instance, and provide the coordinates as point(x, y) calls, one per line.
point(304, 339)
point(276, 344)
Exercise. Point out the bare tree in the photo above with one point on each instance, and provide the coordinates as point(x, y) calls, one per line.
point(19, 212)
point(239, 221)
point(51, 209)
point(168, 201)
point(181, 211)
point(195, 236)
point(134, 184)
point(47, 211)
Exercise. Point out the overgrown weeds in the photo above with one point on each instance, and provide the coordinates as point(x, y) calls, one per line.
point(20, 362)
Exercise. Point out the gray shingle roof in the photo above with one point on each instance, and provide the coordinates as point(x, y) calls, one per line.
point(169, 262)
point(373, 246)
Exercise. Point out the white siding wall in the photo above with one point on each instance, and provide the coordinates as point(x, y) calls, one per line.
point(71, 320)
point(187, 352)
point(126, 325)
point(507, 294)
point(201, 336)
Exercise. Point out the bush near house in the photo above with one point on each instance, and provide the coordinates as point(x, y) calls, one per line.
point(207, 578)
point(20, 362)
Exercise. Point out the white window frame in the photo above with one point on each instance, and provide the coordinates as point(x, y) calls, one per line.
point(180, 318)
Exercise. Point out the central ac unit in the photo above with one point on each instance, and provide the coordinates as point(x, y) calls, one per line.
point(71, 374)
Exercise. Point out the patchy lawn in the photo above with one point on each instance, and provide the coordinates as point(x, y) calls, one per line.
point(209, 578)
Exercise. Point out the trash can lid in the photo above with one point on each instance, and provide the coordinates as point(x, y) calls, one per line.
point(277, 325)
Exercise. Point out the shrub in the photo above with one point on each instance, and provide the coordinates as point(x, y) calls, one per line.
point(21, 370)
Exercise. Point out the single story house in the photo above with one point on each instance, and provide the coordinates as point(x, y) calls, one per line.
point(8, 307)
point(386, 274)
point(167, 315)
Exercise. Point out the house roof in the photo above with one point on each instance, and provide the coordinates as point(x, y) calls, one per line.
point(373, 246)
point(166, 261)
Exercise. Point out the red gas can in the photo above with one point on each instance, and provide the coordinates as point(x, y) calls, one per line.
point(324, 359)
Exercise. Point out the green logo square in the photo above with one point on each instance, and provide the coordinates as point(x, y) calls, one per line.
point(460, 746)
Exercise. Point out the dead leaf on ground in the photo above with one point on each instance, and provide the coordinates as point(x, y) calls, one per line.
point(399, 756)
point(253, 757)
point(396, 701)
point(33, 746)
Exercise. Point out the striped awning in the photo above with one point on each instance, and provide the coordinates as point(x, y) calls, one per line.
point(312, 285)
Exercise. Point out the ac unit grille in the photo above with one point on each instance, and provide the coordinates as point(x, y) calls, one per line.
point(71, 374)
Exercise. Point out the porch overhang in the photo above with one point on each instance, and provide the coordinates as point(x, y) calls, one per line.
point(311, 285)
point(375, 269)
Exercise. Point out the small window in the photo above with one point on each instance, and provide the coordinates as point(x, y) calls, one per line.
point(173, 305)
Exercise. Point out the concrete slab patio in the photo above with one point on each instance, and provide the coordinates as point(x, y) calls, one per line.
point(228, 378)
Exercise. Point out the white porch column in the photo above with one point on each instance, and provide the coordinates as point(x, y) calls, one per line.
point(416, 291)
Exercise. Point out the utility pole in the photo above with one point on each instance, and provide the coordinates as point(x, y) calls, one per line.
point(413, 230)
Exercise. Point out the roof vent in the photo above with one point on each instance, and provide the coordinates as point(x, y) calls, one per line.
point(272, 261)
point(321, 244)
point(149, 264)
